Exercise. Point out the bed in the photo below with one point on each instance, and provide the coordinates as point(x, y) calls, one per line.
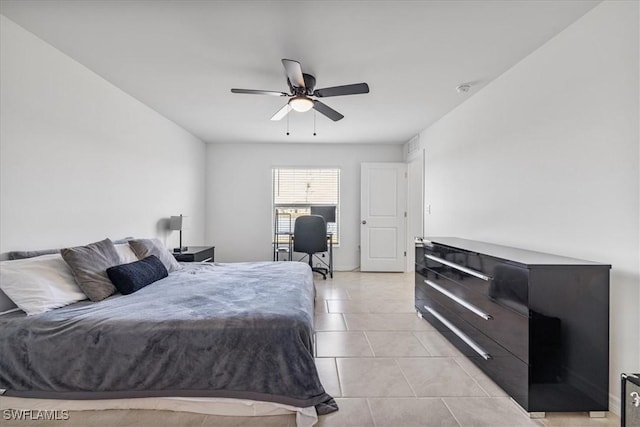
point(241, 331)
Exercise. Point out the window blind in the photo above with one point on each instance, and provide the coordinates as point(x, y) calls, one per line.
point(306, 186)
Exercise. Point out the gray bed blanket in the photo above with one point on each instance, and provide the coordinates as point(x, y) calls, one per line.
point(240, 330)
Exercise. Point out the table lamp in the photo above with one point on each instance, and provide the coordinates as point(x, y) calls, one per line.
point(175, 223)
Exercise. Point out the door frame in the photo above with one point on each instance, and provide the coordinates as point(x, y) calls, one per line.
point(418, 193)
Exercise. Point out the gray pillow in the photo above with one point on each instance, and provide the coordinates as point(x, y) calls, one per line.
point(13, 255)
point(89, 266)
point(145, 247)
point(31, 254)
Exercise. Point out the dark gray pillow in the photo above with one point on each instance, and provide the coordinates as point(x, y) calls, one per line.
point(145, 247)
point(89, 266)
point(132, 277)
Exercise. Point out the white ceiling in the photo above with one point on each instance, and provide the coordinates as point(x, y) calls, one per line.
point(181, 58)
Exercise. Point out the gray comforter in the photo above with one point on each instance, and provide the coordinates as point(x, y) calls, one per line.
point(221, 330)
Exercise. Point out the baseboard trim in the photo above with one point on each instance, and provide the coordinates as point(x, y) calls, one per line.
point(614, 404)
point(345, 267)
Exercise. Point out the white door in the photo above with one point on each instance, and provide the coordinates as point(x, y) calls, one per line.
point(382, 222)
point(415, 207)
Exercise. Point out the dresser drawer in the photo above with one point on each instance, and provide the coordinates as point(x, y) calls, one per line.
point(507, 370)
point(466, 268)
point(501, 281)
point(506, 327)
point(446, 258)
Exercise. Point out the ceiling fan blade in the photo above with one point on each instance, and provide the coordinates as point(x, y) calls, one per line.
point(342, 90)
point(294, 73)
point(327, 111)
point(281, 112)
point(259, 92)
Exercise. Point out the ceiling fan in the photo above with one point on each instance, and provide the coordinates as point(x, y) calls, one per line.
point(302, 88)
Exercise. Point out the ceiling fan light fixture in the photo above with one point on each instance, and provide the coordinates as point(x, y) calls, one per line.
point(301, 103)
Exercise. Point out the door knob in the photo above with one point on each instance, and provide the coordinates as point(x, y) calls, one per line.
point(364, 221)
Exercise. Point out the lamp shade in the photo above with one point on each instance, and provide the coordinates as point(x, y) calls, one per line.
point(175, 223)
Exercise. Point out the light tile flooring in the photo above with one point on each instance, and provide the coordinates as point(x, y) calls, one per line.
point(384, 366)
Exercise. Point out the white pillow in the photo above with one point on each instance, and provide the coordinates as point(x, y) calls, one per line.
point(39, 284)
point(145, 247)
point(126, 253)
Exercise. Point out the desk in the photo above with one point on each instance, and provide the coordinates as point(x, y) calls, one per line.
point(287, 247)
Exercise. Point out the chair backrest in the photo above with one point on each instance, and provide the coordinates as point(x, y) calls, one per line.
point(310, 234)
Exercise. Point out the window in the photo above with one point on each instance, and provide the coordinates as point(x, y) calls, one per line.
point(299, 192)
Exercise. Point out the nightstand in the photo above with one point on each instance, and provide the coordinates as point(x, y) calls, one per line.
point(196, 254)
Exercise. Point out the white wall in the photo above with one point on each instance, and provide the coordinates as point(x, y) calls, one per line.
point(546, 157)
point(239, 204)
point(81, 160)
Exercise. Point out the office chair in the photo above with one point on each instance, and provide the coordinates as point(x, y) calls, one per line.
point(310, 237)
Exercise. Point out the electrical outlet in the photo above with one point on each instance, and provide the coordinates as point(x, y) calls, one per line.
point(427, 209)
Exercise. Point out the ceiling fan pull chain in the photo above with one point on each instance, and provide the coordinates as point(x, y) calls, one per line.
point(314, 122)
point(287, 125)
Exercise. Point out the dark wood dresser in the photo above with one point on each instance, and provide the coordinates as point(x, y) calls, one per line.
point(537, 324)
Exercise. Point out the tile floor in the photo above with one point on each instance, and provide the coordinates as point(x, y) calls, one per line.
point(384, 366)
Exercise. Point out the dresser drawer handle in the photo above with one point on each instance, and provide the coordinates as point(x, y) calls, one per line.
point(459, 300)
point(471, 343)
point(459, 267)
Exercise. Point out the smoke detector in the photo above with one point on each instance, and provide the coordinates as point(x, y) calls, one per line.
point(463, 88)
